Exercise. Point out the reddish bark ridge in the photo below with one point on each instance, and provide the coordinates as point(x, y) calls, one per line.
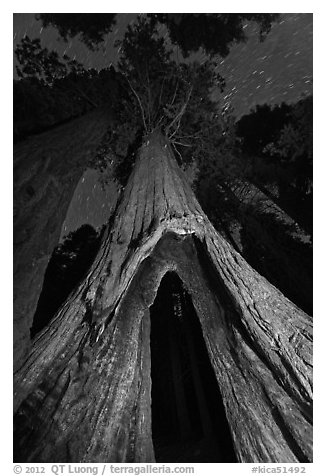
point(47, 168)
point(84, 393)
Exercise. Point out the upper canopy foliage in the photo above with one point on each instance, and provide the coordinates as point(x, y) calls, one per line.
point(36, 62)
point(91, 26)
point(214, 32)
point(53, 89)
point(163, 89)
point(160, 92)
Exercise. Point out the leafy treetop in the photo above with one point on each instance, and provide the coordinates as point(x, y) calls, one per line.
point(53, 89)
point(160, 93)
point(91, 26)
point(214, 32)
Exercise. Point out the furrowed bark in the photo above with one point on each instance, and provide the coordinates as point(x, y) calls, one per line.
point(47, 169)
point(83, 395)
point(293, 267)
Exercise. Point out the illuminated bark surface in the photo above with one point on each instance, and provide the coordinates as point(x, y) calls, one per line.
point(84, 393)
point(290, 265)
point(47, 168)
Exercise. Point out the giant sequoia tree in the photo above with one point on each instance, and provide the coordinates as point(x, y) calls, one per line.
point(84, 392)
point(47, 167)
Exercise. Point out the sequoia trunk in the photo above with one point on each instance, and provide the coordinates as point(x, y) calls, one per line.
point(47, 169)
point(84, 394)
point(290, 266)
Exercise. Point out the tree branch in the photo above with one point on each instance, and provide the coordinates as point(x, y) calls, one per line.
point(160, 120)
point(139, 102)
point(176, 150)
point(159, 99)
point(149, 96)
point(180, 143)
point(179, 115)
point(175, 92)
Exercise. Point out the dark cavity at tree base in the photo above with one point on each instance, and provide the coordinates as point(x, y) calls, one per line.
point(188, 417)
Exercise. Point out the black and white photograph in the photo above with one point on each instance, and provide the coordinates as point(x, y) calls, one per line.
point(162, 239)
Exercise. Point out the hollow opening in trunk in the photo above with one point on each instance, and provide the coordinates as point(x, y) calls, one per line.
point(188, 418)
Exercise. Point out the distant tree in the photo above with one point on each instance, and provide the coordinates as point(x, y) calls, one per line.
point(214, 32)
point(294, 145)
point(91, 26)
point(262, 126)
point(277, 252)
point(52, 89)
point(69, 262)
point(38, 63)
point(47, 169)
point(277, 145)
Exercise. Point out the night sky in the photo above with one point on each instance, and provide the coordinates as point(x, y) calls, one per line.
point(276, 70)
point(92, 203)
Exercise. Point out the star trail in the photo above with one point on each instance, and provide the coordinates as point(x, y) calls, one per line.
point(92, 203)
point(276, 70)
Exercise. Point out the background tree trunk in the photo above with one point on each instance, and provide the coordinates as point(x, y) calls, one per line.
point(288, 262)
point(47, 168)
point(84, 392)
